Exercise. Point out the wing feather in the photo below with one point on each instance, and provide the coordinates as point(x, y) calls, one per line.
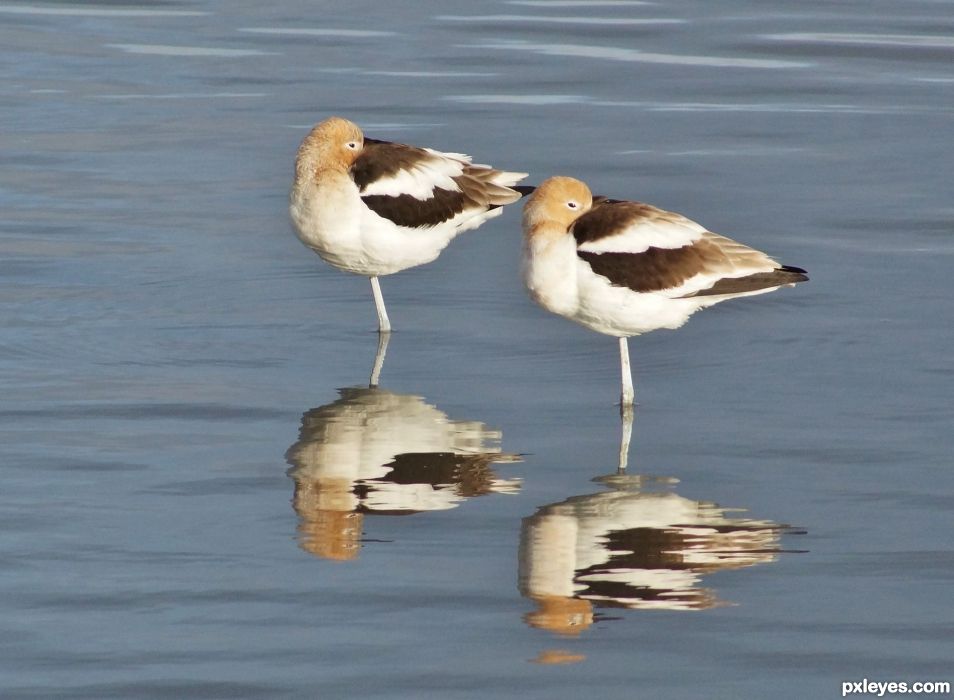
point(421, 188)
point(647, 249)
point(394, 169)
point(632, 227)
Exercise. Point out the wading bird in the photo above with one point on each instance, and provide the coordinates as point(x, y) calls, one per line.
point(375, 208)
point(626, 268)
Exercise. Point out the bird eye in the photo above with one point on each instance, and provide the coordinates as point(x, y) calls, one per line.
point(353, 145)
point(572, 205)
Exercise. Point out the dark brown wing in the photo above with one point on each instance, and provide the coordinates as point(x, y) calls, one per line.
point(646, 249)
point(418, 188)
point(382, 159)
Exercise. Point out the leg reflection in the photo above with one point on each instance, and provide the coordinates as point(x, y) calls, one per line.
point(626, 434)
point(384, 337)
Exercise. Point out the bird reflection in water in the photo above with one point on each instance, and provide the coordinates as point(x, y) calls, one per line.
point(374, 451)
point(631, 547)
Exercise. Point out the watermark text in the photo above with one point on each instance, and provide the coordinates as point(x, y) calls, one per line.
point(882, 688)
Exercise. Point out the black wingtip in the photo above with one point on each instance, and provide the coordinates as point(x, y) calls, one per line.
point(524, 190)
point(734, 286)
point(798, 274)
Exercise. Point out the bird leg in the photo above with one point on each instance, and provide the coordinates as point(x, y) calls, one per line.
point(384, 324)
point(627, 395)
point(383, 339)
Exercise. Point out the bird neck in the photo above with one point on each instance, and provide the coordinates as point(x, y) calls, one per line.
point(543, 233)
point(315, 170)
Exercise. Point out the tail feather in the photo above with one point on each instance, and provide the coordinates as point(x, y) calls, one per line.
point(507, 179)
point(780, 277)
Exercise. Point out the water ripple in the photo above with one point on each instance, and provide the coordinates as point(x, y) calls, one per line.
point(703, 107)
point(183, 96)
point(520, 99)
point(189, 51)
point(311, 31)
point(908, 40)
point(537, 19)
point(96, 11)
point(614, 53)
point(579, 3)
point(143, 411)
point(428, 74)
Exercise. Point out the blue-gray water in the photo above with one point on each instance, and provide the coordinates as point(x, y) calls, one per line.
point(191, 508)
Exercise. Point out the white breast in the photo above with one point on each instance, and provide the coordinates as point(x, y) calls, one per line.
point(332, 220)
point(327, 217)
point(621, 312)
point(550, 274)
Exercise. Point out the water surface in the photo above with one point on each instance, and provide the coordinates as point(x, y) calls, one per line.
point(202, 498)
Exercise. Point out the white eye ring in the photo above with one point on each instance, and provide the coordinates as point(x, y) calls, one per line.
point(572, 205)
point(353, 145)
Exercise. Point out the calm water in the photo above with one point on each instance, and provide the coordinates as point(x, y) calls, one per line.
point(200, 496)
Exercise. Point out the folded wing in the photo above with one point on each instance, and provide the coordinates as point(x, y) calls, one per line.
point(650, 250)
point(421, 188)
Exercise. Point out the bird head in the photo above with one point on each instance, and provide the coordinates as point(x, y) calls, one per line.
point(333, 143)
point(556, 204)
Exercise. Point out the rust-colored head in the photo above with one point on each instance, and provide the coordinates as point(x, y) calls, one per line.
point(555, 204)
point(333, 143)
point(559, 614)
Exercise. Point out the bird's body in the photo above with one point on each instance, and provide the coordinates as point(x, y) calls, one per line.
point(565, 284)
point(625, 268)
point(375, 208)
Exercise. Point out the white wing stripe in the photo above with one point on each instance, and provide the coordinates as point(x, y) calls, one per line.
point(639, 237)
point(418, 182)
